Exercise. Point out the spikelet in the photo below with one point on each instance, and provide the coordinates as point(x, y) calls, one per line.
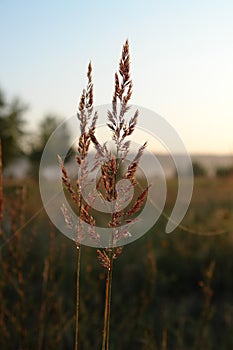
point(122, 93)
point(132, 124)
point(68, 217)
point(139, 202)
point(132, 168)
point(85, 216)
point(67, 182)
point(117, 252)
point(87, 128)
point(100, 149)
point(104, 259)
point(85, 110)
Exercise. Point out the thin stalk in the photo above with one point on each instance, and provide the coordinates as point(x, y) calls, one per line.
point(109, 299)
point(43, 304)
point(1, 191)
point(106, 331)
point(108, 295)
point(77, 296)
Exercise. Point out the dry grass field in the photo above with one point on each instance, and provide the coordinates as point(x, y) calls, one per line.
point(169, 291)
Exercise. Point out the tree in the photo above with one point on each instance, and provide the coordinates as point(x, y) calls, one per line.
point(46, 127)
point(224, 171)
point(198, 170)
point(11, 128)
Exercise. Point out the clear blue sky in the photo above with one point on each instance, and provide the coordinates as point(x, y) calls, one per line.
point(181, 54)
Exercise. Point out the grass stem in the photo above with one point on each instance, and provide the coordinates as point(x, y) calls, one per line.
point(106, 331)
point(77, 296)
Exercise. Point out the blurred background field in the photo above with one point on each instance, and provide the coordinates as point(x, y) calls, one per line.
point(170, 291)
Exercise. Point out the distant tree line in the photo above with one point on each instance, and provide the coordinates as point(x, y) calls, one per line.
point(200, 171)
point(11, 128)
point(17, 142)
point(224, 171)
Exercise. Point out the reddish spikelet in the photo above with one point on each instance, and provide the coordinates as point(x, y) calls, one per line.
point(89, 95)
point(117, 252)
point(93, 123)
point(124, 148)
point(86, 101)
point(85, 112)
point(124, 70)
point(68, 217)
point(100, 149)
point(139, 153)
point(139, 202)
point(83, 146)
point(81, 106)
point(127, 97)
point(132, 124)
point(79, 233)
point(132, 168)
point(109, 170)
point(114, 220)
point(122, 92)
point(67, 183)
point(122, 232)
point(85, 216)
point(104, 259)
point(117, 89)
point(94, 235)
point(112, 118)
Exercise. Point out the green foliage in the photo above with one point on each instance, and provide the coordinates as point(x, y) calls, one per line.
point(11, 128)
point(224, 171)
point(198, 170)
point(46, 127)
point(14, 138)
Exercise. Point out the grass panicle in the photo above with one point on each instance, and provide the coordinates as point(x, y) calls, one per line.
point(121, 129)
point(87, 124)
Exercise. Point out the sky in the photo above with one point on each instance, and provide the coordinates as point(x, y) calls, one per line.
point(181, 60)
